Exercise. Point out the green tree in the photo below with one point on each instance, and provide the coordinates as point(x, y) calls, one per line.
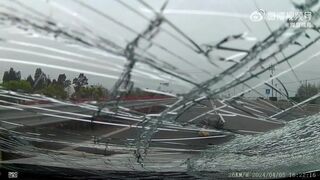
point(54, 81)
point(40, 79)
point(6, 77)
point(62, 79)
point(80, 82)
point(30, 80)
point(11, 75)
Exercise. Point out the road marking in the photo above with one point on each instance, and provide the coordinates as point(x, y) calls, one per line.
point(184, 139)
point(197, 117)
point(12, 123)
point(8, 107)
point(250, 117)
point(247, 131)
point(36, 134)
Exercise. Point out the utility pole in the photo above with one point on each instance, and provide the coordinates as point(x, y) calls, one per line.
point(272, 69)
point(276, 91)
point(306, 89)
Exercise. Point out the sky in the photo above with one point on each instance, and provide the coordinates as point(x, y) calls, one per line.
point(205, 21)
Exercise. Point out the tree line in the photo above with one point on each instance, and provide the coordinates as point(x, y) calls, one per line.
point(57, 88)
point(61, 88)
point(307, 90)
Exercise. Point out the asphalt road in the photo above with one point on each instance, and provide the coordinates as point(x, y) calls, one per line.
point(74, 124)
point(103, 143)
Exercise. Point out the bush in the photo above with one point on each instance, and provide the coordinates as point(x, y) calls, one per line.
point(55, 91)
point(92, 92)
point(21, 85)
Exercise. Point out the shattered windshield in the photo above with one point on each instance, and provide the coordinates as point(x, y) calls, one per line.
point(147, 89)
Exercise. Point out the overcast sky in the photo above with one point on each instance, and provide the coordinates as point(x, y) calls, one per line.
point(205, 21)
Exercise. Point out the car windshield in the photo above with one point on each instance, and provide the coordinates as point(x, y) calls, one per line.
point(159, 89)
